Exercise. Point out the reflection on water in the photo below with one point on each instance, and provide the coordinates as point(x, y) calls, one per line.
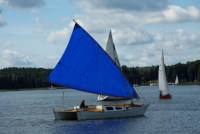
point(30, 112)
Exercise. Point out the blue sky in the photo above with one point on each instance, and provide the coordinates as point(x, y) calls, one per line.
point(35, 33)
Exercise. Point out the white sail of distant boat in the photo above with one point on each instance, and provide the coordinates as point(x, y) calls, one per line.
point(176, 81)
point(85, 66)
point(162, 80)
point(111, 51)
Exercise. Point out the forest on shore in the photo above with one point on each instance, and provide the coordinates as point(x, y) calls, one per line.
point(24, 78)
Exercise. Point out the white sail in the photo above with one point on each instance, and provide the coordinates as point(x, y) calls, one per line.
point(163, 87)
point(176, 81)
point(110, 49)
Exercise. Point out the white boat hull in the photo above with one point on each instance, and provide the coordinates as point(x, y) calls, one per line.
point(130, 112)
point(65, 114)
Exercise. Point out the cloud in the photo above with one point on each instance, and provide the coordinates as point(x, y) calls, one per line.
point(137, 12)
point(2, 21)
point(2, 2)
point(178, 45)
point(133, 37)
point(49, 62)
point(56, 37)
point(5, 44)
point(40, 25)
point(26, 3)
point(60, 36)
point(127, 5)
point(14, 59)
point(175, 14)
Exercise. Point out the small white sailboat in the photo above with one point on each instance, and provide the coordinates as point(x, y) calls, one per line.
point(162, 80)
point(176, 80)
point(87, 67)
point(111, 51)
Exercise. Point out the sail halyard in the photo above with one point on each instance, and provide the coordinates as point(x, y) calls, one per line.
point(87, 77)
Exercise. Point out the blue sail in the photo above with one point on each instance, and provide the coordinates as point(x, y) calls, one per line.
point(87, 67)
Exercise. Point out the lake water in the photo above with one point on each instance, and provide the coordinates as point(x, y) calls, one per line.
point(30, 112)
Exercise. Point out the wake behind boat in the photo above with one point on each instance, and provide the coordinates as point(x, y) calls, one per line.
point(162, 80)
point(87, 67)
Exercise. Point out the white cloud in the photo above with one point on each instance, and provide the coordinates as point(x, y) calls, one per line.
point(38, 28)
point(133, 37)
point(135, 45)
point(40, 25)
point(60, 36)
point(2, 2)
point(133, 5)
point(2, 21)
point(178, 46)
point(137, 12)
point(56, 37)
point(49, 62)
point(26, 3)
point(175, 14)
point(14, 59)
point(5, 44)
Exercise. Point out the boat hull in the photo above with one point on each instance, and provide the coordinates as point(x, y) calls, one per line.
point(65, 114)
point(168, 96)
point(130, 112)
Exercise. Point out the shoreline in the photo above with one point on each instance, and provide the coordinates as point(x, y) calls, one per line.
point(56, 88)
point(30, 89)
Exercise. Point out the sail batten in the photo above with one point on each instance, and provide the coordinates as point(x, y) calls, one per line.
point(86, 66)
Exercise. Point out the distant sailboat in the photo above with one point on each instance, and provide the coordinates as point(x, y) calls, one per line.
point(162, 80)
point(85, 66)
point(176, 81)
point(111, 51)
point(52, 87)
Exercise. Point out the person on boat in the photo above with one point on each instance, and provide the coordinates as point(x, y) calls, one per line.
point(82, 105)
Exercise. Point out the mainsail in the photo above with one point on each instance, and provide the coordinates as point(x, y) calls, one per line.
point(86, 66)
point(162, 80)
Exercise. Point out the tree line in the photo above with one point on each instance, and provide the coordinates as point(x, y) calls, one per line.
point(19, 78)
point(189, 72)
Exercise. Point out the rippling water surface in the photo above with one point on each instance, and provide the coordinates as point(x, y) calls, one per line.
point(30, 112)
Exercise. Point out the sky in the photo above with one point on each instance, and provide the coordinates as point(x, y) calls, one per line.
point(35, 33)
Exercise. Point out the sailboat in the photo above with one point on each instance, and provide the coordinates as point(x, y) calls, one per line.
point(111, 51)
point(162, 80)
point(176, 81)
point(85, 66)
